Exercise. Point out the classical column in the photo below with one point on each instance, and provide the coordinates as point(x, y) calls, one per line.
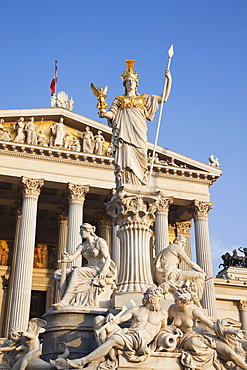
point(17, 209)
point(25, 252)
point(134, 214)
point(161, 224)
point(184, 228)
point(104, 222)
point(76, 196)
point(115, 246)
point(62, 216)
point(199, 212)
point(242, 305)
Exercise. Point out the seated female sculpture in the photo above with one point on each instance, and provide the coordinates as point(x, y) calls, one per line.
point(201, 348)
point(85, 283)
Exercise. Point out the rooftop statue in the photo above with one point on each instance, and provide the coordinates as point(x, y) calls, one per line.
point(201, 348)
point(58, 133)
point(146, 323)
point(4, 133)
point(87, 140)
point(168, 275)
point(19, 127)
point(127, 116)
point(98, 143)
point(31, 136)
point(234, 259)
point(85, 283)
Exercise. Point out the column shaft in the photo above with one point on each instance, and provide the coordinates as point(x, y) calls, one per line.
point(76, 194)
point(243, 313)
point(203, 252)
point(161, 224)
point(21, 296)
point(12, 272)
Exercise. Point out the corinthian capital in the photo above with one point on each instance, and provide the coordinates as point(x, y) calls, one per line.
point(31, 187)
point(242, 305)
point(62, 214)
point(76, 193)
point(103, 220)
point(199, 210)
point(124, 208)
point(183, 228)
point(164, 204)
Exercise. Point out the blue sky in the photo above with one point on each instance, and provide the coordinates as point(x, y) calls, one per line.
point(206, 112)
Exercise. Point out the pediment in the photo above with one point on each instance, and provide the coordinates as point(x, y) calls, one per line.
point(167, 162)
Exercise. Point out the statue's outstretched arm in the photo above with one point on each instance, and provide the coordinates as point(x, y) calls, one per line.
point(168, 88)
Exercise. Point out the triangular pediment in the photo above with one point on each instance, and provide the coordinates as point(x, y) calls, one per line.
point(166, 161)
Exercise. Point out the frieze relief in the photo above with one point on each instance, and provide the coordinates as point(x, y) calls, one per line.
point(54, 135)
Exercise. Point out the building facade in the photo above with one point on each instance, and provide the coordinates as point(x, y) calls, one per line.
point(56, 172)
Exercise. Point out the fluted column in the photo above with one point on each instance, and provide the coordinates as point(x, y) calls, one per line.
point(184, 228)
point(104, 222)
point(24, 259)
point(115, 247)
point(62, 216)
point(76, 196)
point(199, 212)
point(242, 305)
point(134, 215)
point(161, 224)
point(17, 210)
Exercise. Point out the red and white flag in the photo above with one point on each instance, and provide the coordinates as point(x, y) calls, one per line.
point(54, 80)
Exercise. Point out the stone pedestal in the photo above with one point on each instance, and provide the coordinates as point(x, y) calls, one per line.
point(71, 325)
point(157, 361)
point(133, 210)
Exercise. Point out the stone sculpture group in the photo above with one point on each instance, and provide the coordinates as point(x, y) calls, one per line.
point(182, 333)
point(29, 133)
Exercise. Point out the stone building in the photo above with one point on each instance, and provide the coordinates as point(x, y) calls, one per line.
point(49, 186)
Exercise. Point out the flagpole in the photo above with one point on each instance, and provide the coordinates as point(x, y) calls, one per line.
point(170, 55)
point(56, 69)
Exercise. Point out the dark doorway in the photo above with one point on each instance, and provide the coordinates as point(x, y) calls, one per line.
point(38, 303)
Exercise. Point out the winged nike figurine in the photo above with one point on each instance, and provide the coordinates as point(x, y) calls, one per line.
point(101, 95)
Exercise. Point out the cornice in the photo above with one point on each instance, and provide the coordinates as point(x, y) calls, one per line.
point(67, 156)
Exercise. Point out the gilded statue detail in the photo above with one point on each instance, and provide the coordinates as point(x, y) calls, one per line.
point(127, 116)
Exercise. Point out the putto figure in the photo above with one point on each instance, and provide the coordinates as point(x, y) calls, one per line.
point(85, 283)
point(127, 116)
point(146, 322)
